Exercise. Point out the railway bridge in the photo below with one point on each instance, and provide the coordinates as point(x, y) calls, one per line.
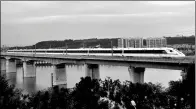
point(136, 65)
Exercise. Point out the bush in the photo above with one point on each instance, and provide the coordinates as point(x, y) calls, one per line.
point(86, 94)
point(9, 97)
point(98, 94)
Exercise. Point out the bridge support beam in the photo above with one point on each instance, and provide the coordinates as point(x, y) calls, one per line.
point(136, 74)
point(10, 65)
point(92, 70)
point(3, 65)
point(183, 74)
point(59, 75)
point(29, 69)
point(188, 72)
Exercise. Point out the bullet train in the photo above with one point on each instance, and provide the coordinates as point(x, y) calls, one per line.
point(143, 52)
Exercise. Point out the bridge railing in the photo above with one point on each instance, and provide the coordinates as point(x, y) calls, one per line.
point(115, 58)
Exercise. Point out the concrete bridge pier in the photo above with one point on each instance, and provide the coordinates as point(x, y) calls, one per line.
point(92, 70)
point(10, 65)
point(59, 75)
point(188, 72)
point(136, 74)
point(3, 65)
point(29, 69)
point(183, 74)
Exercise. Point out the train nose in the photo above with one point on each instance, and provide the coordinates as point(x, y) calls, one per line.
point(182, 54)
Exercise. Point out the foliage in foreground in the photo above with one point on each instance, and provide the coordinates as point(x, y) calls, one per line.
point(9, 96)
point(98, 94)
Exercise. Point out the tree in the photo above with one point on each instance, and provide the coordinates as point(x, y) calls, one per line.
point(86, 94)
point(9, 96)
point(183, 91)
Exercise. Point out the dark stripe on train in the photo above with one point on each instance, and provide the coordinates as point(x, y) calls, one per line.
point(104, 51)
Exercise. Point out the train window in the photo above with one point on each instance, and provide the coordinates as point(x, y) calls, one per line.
point(71, 51)
point(105, 51)
point(128, 51)
point(157, 51)
point(41, 51)
point(117, 51)
point(53, 51)
point(164, 52)
point(145, 51)
point(99, 51)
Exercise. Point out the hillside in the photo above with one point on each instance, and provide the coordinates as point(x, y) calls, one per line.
point(181, 40)
point(104, 43)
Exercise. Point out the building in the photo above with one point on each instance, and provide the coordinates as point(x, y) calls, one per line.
point(132, 43)
point(155, 42)
point(141, 42)
point(138, 43)
point(120, 43)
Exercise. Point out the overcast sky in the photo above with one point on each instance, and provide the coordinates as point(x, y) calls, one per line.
point(28, 22)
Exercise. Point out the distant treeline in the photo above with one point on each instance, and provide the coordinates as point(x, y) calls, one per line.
point(86, 43)
point(94, 42)
point(181, 40)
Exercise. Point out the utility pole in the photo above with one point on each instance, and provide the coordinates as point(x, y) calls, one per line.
point(112, 48)
point(108, 89)
point(3, 49)
point(66, 49)
point(35, 48)
point(52, 79)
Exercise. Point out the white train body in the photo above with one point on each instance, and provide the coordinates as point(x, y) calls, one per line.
point(143, 52)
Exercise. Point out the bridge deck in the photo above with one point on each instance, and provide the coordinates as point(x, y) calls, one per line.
point(185, 60)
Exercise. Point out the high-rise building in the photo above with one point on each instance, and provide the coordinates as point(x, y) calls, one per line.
point(138, 42)
point(156, 42)
point(131, 43)
point(120, 43)
point(123, 43)
point(126, 43)
point(164, 42)
point(141, 42)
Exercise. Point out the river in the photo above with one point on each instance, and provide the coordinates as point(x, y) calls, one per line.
point(74, 73)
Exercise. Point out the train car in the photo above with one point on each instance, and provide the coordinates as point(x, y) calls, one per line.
point(143, 52)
